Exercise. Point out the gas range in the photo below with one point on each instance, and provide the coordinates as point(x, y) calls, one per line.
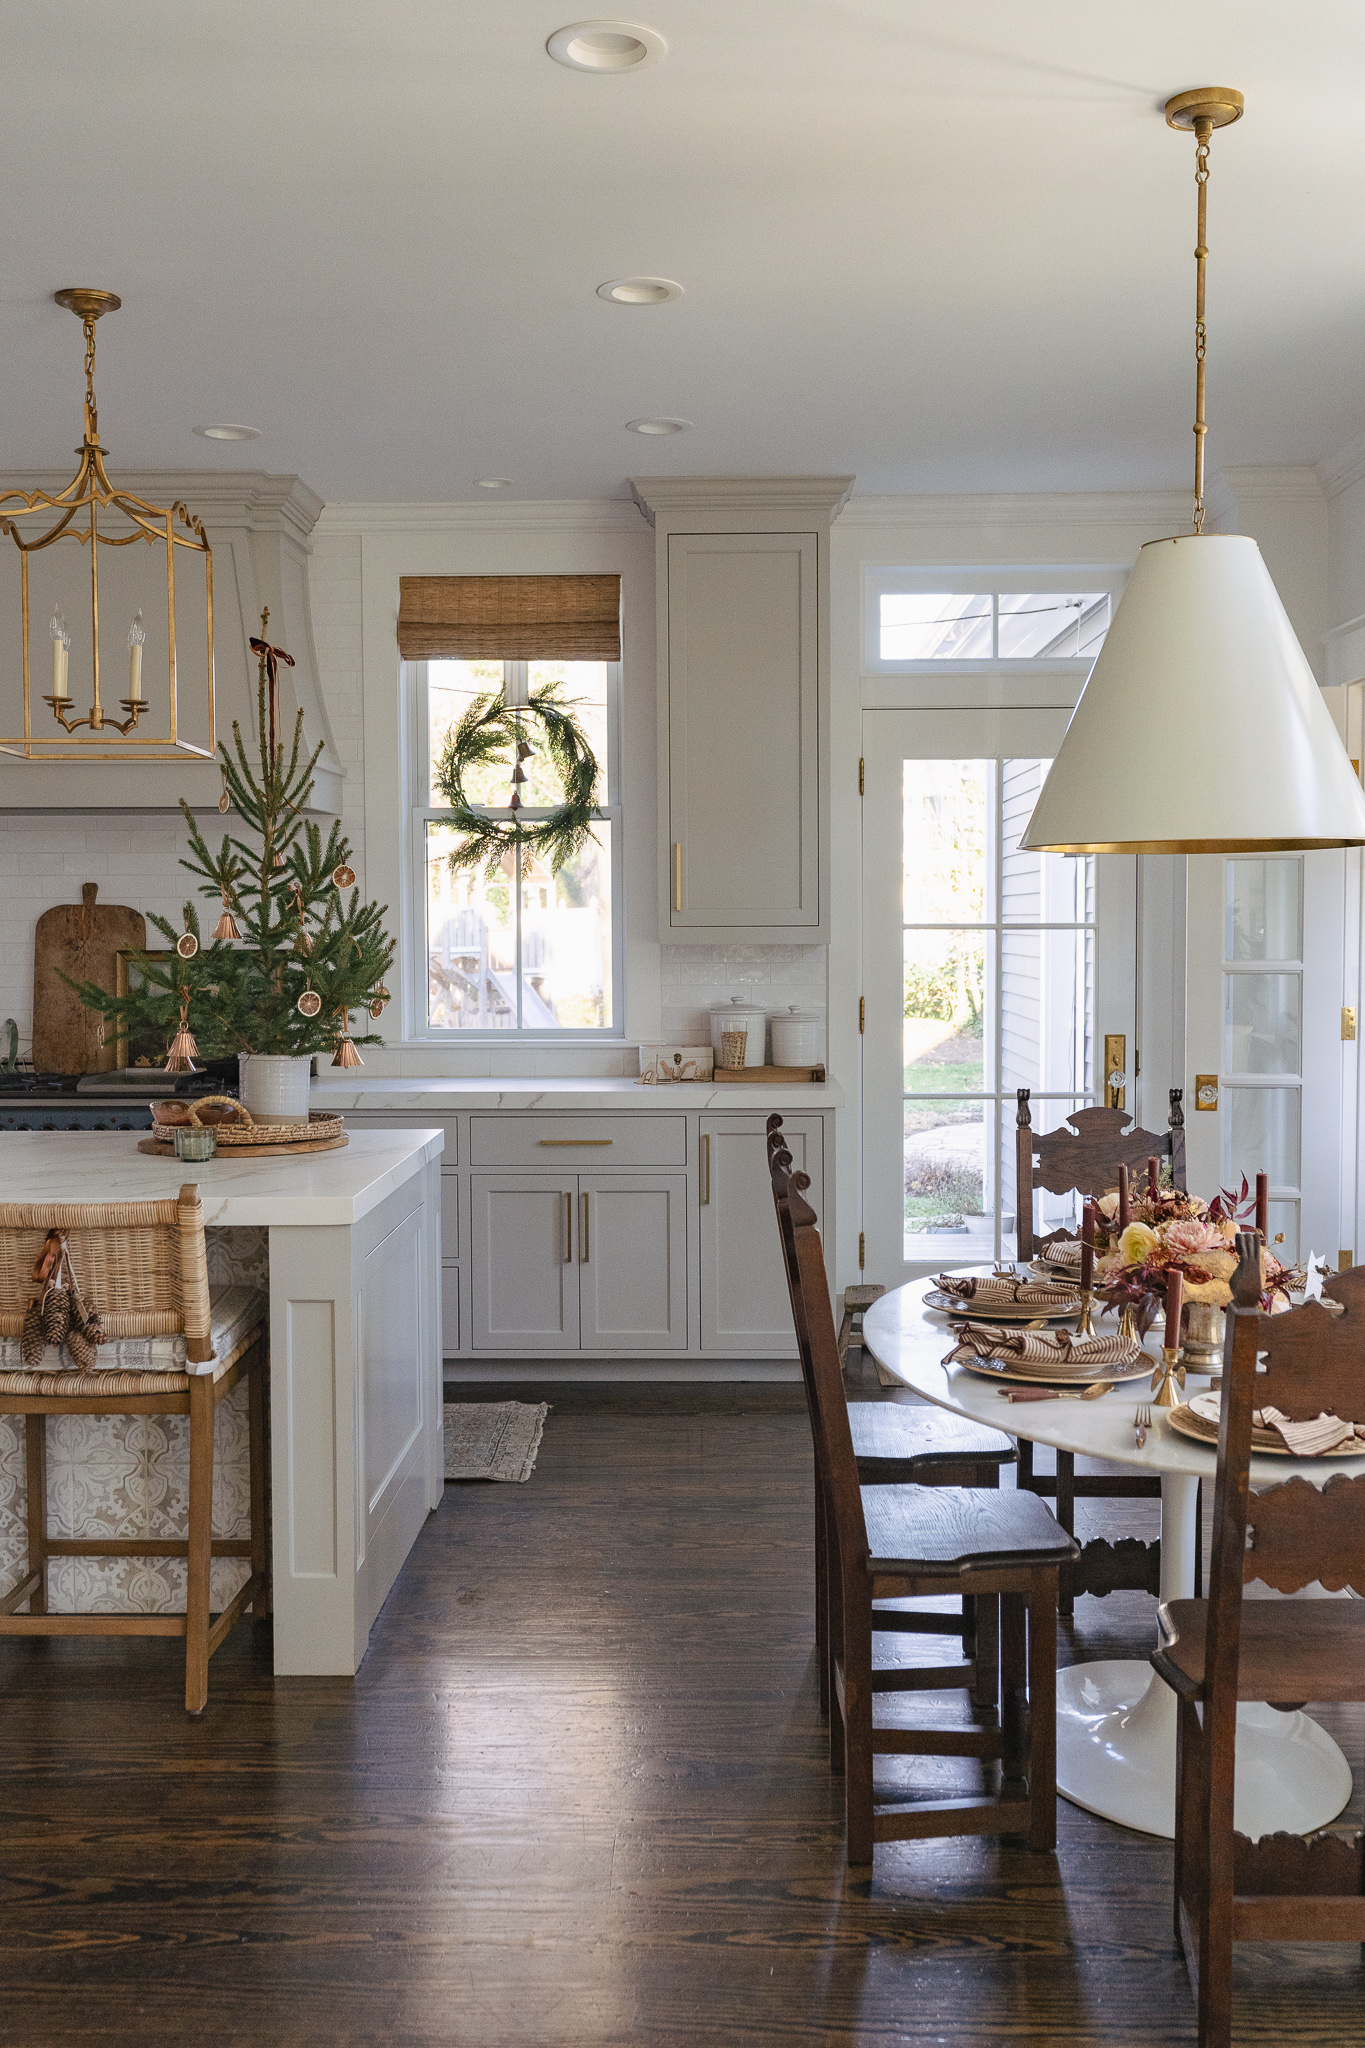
point(100, 1102)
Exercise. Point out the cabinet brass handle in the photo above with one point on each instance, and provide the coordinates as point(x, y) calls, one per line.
point(575, 1141)
point(706, 1167)
point(583, 1248)
point(568, 1228)
point(677, 874)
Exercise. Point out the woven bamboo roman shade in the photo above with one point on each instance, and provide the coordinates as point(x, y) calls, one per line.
point(509, 618)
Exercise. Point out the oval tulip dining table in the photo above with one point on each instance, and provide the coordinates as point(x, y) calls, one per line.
point(1116, 1721)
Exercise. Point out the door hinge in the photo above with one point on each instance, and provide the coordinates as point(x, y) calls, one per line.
point(862, 1250)
point(862, 1013)
point(1137, 1063)
point(1348, 1022)
point(861, 766)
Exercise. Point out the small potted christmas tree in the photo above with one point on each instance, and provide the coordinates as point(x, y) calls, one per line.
point(293, 954)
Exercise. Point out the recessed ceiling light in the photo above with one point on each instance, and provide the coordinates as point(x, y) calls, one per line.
point(605, 46)
point(640, 291)
point(229, 433)
point(658, 426)
point(494, 483)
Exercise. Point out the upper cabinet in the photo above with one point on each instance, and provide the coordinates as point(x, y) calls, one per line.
point(743, 608)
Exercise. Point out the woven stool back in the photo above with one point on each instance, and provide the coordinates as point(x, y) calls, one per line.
point(142, 1265)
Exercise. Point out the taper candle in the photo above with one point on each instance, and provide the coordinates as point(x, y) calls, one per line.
point(136, 637)
point(1089, 1219)
point(1263, 1206)
point(1125, 1217)
point(1175, 1295)
point(1153, 1176)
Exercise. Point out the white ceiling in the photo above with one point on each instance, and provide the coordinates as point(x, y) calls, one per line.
point(946, 247)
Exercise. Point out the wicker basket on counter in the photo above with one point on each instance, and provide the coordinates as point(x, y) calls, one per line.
point(241, 1127)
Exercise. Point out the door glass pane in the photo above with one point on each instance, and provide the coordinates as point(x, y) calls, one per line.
point(471, 940)
point(1284, 1222)
point(1046, 984)
point(1263, 1134)
point(935, 625)
point(1261, 1023)
point(1046, 888)
point(946, 980)
point(949, 1185)
point(1040, 624)
point(1263, 921)
point(944, 808)
point(1050, 1212)
point(566, 939)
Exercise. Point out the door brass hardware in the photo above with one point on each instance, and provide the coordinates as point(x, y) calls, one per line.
point(862, 1013)
point(1206, 1091)
point(575, 1141)
point(1115, 1065)
point(568, 1229)
point(677, 874)
point(862, 1250)
point(1348, 1022)
point(1345, 1261)
point(861, 775)
point(583, 1234)
point(706, 1167)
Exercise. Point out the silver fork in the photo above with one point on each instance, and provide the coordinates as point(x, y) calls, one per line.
point(1142, 1422)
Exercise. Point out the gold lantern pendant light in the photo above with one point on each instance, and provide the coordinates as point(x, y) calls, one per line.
point(114, 518)
point(1201, 728)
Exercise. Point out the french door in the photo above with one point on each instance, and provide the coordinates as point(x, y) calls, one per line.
point(985, 970)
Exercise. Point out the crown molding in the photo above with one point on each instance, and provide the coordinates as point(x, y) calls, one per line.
point(603, 515)
point(824, 496)
point(1343, 467)
point(1162, 509)
point(1291, 482)
point(242, 497)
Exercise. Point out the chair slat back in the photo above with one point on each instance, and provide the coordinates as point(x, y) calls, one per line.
point(814, 1316)
point(142, 1265)
point(1290, 1534)
point(1084, 1155)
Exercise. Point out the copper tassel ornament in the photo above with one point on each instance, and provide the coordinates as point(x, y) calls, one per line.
point(183, 1050)
point(346, 1054)
point(226, 927)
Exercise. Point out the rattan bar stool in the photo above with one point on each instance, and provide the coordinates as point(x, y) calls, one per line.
point(170, 1349)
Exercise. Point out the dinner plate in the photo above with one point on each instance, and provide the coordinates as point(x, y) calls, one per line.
point(1003, 1311)
point(1044, 1376)
point(1199, 1419)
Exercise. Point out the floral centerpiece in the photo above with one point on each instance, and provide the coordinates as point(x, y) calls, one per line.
point(1168, 1229)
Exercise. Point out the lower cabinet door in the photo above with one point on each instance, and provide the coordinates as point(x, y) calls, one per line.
point(632, 1261)
point(525, 1265)
point(745, 1307)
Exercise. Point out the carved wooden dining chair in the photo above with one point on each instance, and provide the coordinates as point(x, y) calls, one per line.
point(171, 1348)
point(894, 1542)
point(1082, 1156)
point(891, 1444)
point(1218, 1651)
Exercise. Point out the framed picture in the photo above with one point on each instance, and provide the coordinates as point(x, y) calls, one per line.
point(147, 1048)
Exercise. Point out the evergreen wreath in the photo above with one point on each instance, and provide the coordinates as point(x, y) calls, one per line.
point(487, 728)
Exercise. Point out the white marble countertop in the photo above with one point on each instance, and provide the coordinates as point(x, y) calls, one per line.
point(317, 1188)
point(437, 1096)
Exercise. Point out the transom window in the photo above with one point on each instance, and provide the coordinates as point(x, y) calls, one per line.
point(518, 947)
point(921, 619)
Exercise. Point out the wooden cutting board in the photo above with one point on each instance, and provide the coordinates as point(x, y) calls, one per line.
point(82, 940)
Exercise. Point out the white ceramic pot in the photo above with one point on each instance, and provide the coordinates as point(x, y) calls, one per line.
point(796, 1038)
point(737, 1015)
point(274, 1086)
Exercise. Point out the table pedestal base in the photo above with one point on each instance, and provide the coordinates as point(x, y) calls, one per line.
point(1116, 1734)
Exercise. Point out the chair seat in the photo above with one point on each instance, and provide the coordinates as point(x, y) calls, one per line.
point(233, 1311)
point(1291, 1649)
point(903, 1442)
point(951, 1528)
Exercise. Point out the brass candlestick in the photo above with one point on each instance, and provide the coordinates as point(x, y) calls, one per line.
point(1164, 1378)
point(1086, 1326)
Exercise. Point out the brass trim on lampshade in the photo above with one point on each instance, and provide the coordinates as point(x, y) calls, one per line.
point(1201, 728)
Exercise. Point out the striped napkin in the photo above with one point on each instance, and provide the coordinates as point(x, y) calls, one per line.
point(1065, 1253)
point(990, 1289)
point(1310, 1439)
point(1057, 1348)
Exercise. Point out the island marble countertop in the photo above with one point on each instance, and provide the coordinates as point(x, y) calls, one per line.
point(316, 1188)
point(439, 1097)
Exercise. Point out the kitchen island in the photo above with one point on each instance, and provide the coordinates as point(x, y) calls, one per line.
point(347, 1244)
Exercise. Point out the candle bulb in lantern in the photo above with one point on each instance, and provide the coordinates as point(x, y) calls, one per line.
point(1263, 1206)
point(1175, 1293)
point(61, 642)
point(1089, 1221)
point(136, 638)
point(1125, 1217)
point(1153, 1176)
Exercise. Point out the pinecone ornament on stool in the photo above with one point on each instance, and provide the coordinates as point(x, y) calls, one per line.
point(32, 1342)
point(80, 1350)
point(56, 1314)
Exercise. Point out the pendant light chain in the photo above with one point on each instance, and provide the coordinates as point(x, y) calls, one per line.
point(1203, 128)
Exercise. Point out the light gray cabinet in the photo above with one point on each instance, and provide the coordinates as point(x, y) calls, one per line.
point(745, 1309)
point(579, 1262)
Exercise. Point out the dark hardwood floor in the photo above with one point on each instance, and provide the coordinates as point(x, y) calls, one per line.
point(577, 1794)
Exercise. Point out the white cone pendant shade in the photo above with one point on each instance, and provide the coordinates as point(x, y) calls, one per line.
point(1202, 728)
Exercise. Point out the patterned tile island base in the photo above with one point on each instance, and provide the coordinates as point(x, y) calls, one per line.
point(128, 1475)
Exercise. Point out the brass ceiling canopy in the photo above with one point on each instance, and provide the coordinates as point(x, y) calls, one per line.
point(1219, 105)
point(37, 521)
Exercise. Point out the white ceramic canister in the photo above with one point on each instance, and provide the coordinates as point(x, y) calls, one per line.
point(737, 1015)
point(274, 1086)
point(796, 1037)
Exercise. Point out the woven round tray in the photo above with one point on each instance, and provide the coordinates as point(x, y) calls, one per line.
point(244, 1129)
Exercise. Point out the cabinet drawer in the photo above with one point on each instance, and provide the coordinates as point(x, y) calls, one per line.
point(450, 1216)
point(563, 1142)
